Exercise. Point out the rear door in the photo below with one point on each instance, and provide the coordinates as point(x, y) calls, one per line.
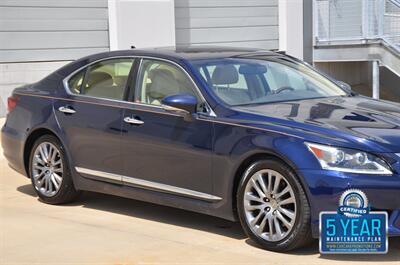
point(91, 117)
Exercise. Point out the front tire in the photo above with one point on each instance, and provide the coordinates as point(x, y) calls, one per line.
point(272, 206)
point(49, 171)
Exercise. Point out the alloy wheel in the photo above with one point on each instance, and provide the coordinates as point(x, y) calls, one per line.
point(269, 205)
point(47, 169)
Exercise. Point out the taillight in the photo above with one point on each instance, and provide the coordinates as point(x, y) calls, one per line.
point(12, 103)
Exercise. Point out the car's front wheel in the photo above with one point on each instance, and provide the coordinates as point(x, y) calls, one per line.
point(272, 206)
point(49, 171)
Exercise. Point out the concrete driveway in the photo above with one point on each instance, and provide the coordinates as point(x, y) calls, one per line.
point(102, 229)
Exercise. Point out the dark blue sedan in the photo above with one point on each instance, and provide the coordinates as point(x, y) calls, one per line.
point(244, 135)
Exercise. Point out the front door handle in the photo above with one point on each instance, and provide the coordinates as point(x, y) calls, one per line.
point(133, 121)
point(67, 110)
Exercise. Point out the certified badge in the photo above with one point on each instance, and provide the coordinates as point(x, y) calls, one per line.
point(353, 228)
point(353, 203)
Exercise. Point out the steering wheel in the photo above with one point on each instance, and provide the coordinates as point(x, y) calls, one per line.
point(279, 90)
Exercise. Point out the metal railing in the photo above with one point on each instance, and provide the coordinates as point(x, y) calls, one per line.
point(357, 21)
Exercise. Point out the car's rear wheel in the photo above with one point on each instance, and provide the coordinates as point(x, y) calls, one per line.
point(49, 171)
point(272, 206)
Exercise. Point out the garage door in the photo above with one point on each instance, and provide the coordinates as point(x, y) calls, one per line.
point(250, 23)
point(43, 30)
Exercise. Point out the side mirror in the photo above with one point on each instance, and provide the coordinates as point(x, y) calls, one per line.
point(344, 85)
point(184, 104)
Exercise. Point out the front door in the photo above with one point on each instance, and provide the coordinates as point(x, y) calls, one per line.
point(160, 150)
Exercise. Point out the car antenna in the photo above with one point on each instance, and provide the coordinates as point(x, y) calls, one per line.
point(133, 47)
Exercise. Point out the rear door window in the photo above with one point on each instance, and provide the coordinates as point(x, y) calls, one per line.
point(105, 79)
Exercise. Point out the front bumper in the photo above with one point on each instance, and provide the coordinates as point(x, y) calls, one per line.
point(325, 188)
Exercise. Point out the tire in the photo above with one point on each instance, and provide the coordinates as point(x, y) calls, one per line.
point(51, 178)
point(257, 214)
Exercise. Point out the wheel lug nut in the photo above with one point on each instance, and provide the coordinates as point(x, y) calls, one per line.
point(267, 209)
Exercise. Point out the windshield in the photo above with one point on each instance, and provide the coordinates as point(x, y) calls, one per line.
point(242, 81)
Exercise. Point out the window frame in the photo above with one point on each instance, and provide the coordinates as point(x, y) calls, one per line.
point(132, 80)
point(85, 68)
point(140, 69)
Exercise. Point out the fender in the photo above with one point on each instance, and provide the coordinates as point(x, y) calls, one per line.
point(50, 123)
point(231, 156)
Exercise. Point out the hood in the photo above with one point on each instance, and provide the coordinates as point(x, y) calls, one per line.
point(373, 124)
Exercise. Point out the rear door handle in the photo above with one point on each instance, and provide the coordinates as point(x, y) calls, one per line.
point(133, 121)
point(67, 110)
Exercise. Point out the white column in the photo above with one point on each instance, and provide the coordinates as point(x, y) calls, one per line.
point(292, 10)
point(141, 23)
point(375, 79)
point(112, 24)
point(282, 25)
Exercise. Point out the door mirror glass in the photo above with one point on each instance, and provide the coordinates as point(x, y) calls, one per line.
point(185, 103)
point(344, 85)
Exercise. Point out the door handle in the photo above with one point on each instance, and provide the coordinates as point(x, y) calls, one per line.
point(66, 109)
point(133, 121)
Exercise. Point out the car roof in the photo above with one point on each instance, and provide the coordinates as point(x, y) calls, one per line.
point(207, 52)
point(191, 52)
point(172, 53)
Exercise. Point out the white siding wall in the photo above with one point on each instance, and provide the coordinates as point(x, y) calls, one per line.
point(45, 30)
point(251, 23)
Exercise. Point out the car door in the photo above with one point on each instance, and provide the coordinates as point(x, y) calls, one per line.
point(91, 117)
point(161, 150)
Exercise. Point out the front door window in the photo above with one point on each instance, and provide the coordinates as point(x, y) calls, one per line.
point(159, 79)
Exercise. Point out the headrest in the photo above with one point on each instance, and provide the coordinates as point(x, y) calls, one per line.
point(100, 78)
point(252, 69)
point(225, 75)
point(163, 83)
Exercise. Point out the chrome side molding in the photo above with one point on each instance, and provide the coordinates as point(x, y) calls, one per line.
point(148, 185)
point(99, 174)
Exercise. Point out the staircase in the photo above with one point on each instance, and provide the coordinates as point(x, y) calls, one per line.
point(358, 30)
point(391, 33)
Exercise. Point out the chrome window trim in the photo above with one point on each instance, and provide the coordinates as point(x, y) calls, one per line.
point(149, 185)
point(211, 112)
point(66, 79)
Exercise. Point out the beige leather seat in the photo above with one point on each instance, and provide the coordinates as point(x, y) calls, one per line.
point(163, 84)
point(101, 84)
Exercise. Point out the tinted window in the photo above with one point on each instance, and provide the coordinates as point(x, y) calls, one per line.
point(158, 79)
point(256, 81)
point(105, 79)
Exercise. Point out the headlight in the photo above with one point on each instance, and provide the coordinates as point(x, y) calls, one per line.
point(349, 160)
